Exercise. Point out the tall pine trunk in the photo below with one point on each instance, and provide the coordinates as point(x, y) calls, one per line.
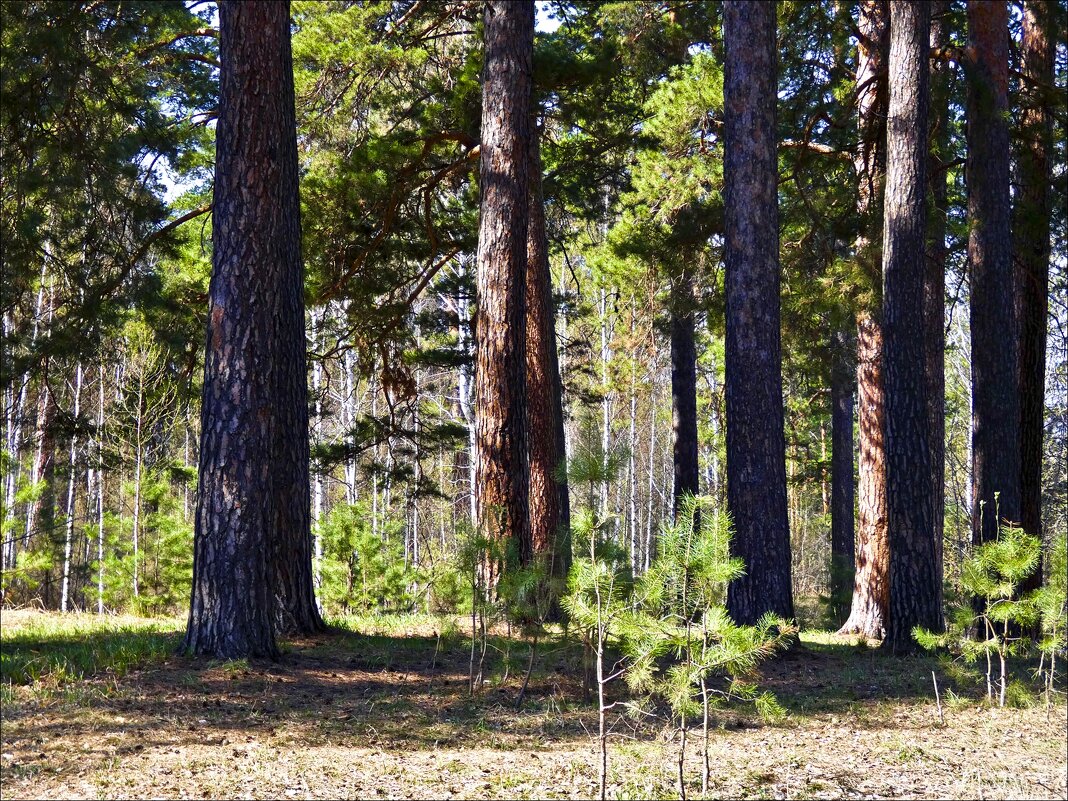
point(995, 353)
point(549, 497)
point(292, 577)
point(502, 471)
point(756, 444)
point(915, 581)
point(871, 581)
point(231, 613)
point(1032, 224)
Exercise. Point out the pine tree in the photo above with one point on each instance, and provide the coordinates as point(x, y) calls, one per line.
point(756, 447)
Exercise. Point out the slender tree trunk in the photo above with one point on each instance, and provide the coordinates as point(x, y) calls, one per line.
point(1032, 222)
point(250, 309)
point(871, 583)
point(549, 497)
point(318, 320)
point(650, 540)
point(995, 337)
point(934, 289)
point(100, 494)
point(915, 582)
point(138, 466)
point(68, 540)
point(500, 367)
point(843, 546)
point(606, 402)
point(684, 395)
point(756, 445)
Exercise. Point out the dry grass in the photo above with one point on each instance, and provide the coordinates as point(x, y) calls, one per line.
point(381, 710)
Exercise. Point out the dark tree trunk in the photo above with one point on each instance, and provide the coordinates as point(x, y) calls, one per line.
point(291, 569)
point(502, 470)
point(995, 352)
point(684, 394)
point(915, 583)
point(232, 610)
point(934, 287)
point(871, 583)
point(843, 543)
point(549, 498)
point(756, 445)
point(1032, 224)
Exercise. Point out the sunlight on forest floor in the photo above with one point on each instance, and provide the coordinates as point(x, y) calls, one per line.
point(380, 709)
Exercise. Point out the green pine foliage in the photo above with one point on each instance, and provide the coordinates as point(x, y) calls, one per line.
point(362, 570)
point(994, 621)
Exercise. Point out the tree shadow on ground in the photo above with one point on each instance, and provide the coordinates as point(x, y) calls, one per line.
point(397, 691)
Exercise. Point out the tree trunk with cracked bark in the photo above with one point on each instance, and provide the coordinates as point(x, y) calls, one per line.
point(550, 519)
point(915, 581)
point(233, 609)
point(502, 469)
point(756, 444)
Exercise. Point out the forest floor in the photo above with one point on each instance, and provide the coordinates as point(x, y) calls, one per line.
point(380, 708)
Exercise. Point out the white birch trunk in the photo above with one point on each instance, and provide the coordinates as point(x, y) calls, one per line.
point(68, 540)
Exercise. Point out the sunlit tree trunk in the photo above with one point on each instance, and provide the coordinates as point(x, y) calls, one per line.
point(500, 366)
point(871, 582)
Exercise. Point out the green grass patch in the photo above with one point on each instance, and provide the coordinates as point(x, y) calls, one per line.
point(58, 649)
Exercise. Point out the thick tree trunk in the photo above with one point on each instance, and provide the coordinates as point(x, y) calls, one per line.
point(915, 582)
point(756, 445)
point(934, 287)
point(995, 337)
point(549, 497)
point(684, 397)
point(843, 495)
point(500, 367)
point(871, 583)
point(292, 577)
point(1032, 224)
point(231, 613)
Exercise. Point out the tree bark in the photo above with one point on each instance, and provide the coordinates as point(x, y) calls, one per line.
point(934, 288)
point(231, 613)
point(995, 352)
point(756, 445)
point(549, 497)
point(871, 583)
point(1032, 229)
point(292, 576)
point(502, 470)
point(843, 495)
point(915, 582)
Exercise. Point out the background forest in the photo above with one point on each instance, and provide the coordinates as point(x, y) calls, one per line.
point(630, 399)
point(107, 137)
